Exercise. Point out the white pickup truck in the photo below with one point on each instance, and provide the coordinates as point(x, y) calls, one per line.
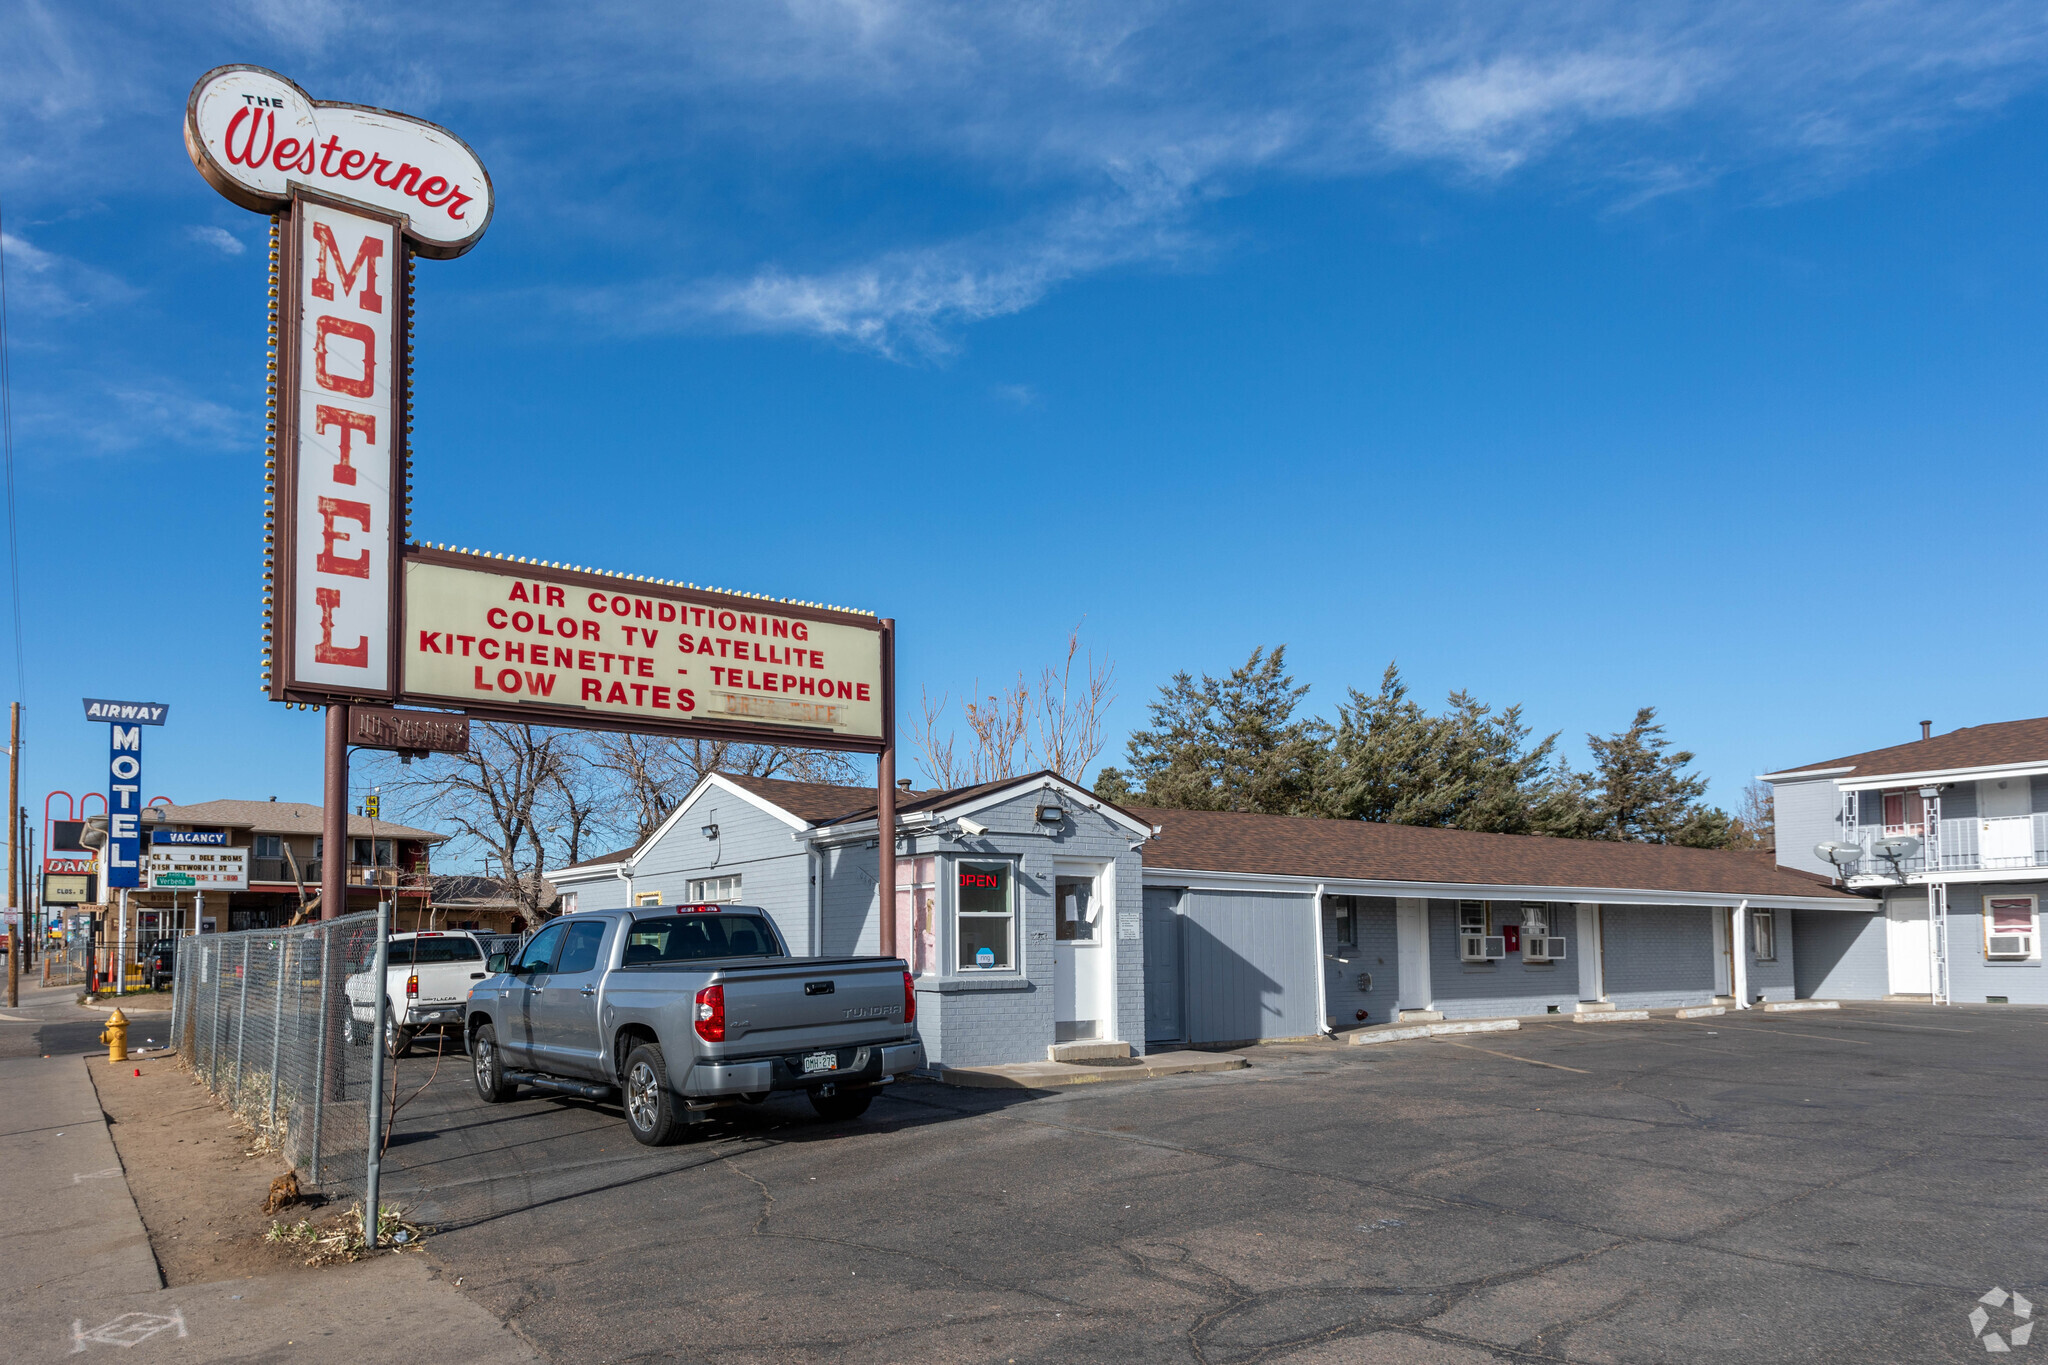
point(429, 979)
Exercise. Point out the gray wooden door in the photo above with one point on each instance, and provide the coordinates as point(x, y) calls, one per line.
point(1250, 967)
point(1163, 1022)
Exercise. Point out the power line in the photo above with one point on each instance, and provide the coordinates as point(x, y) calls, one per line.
point(7, 449)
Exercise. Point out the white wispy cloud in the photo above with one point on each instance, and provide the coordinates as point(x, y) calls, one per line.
point(219, 238)
point(1065, 138)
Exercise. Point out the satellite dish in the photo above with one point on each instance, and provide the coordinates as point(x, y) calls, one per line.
point(1840, 854)
point(1905, 846)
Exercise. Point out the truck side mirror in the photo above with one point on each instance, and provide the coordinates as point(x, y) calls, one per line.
point(496, 965)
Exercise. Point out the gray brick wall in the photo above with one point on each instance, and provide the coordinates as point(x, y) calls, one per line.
point(1508, 987)
point(1839, 955)
point(1773, 980)
point(1658, 957)
point(1971, 976)
point(1376, 954)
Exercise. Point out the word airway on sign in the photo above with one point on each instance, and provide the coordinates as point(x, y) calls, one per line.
point(133, 712)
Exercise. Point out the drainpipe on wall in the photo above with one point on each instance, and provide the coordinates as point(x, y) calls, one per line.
point(1738, 955)
point(624, 872)
point(1322, 968)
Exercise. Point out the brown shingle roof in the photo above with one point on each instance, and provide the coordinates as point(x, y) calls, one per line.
point(288, 817)
point(813, 802)
point(1353, 850)
point(1973, 746)
point(600, 860)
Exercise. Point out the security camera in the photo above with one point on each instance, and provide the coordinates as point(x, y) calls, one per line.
point(971, 829)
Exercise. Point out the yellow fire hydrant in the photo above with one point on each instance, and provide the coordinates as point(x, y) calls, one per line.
point(115, 1036)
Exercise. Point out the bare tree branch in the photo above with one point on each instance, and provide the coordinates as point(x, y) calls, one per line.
point(1070, 711)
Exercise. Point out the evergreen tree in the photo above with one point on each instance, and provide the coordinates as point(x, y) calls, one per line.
point(1638, 792)
point(1228, 743)
point(1469, 768)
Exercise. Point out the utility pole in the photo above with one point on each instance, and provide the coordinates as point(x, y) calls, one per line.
point(13, 829)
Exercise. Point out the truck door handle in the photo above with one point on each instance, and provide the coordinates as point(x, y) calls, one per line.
point(587, 992)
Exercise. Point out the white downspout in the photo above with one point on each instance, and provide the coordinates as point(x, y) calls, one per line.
point(1322, 968)
point(624, 872)
point(1738, 955)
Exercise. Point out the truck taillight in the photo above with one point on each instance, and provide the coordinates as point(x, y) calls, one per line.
point(909, 1000)
point(412, 984)
point(711, 1014)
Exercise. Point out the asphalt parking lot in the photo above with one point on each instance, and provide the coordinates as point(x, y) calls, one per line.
point(1839, 1185)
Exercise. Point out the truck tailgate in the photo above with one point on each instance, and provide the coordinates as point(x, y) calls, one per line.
point(816, 1005)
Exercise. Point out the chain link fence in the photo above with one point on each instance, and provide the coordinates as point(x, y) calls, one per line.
point(264, 1019)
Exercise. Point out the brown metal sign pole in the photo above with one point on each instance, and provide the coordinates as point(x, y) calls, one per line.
point(334, 818)
point(885, 794)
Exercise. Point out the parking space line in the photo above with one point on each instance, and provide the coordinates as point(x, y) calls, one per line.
point(1795, 1033)
point(1512, 1057)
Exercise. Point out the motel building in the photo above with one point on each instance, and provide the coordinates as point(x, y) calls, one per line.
point(1947, 838)
point(274, 855)
point(1034, 914)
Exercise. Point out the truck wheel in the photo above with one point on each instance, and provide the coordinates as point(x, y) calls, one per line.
point(849, 1104)
point(650, 1107)
point(397, 1039)
point(491, 1084)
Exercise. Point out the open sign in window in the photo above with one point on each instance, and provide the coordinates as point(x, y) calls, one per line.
point(984, 918)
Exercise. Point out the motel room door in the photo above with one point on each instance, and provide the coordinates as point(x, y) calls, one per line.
point(1908, 946)
point(1080, 960)
point(1724, 957)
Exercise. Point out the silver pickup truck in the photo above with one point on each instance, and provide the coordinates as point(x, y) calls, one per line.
point(682, 1009)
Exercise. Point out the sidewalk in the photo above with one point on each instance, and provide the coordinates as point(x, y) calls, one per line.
point(77, 1275)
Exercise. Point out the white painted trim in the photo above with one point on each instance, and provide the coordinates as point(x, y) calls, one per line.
point(1792, 774)
point(1934, 775)
point(1195, 879)
point(1738, 957)
point(1323, 963)
point(866, 828)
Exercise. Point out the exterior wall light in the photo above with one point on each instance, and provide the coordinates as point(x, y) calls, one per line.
point(711, 830)
point(1049, 814)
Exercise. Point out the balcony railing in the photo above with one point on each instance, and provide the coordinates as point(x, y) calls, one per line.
point(1970, 844)
point(415, 878)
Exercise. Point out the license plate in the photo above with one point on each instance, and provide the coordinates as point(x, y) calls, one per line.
point(821, 1061)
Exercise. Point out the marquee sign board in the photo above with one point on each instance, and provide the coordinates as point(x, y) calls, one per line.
point(565, 647)
point(198, 869)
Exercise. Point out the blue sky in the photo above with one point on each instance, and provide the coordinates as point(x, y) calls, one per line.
point(1587, 356)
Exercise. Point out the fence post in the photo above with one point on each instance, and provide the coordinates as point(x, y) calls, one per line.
point(371, 1217)
point(241, 1027)
point(277, 1036)
point(220, 954)
point(320, 1055)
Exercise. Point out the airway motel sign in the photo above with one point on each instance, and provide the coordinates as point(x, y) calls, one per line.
point(360, 614)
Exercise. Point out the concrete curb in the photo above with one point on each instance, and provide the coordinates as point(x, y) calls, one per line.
point(1786, 1006)
point(1402, 1033)
point(1611, 1017)
point(1053, 1075)
point(1700, 1012)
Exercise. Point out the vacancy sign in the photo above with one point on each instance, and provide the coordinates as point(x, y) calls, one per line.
point(624, 653)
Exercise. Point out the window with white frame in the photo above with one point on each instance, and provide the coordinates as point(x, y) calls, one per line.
point(1340, 922)
point(1536, 943)
point(713, 890)
point(1473, 917)
point(1763, 935)
point(2012, 928)
point(647, 898)
point(569, 902)
point(269, 846)
point(984, 917)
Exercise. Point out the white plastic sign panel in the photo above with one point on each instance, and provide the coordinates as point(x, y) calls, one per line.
point(174, 868)
point(256, 137)
point(342, 471)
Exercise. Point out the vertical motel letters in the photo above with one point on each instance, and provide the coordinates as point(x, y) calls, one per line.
point(349, 335)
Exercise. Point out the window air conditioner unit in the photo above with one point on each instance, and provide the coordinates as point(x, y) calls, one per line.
point(2010, 945)
point(1481, 947)
point(1544, 949)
